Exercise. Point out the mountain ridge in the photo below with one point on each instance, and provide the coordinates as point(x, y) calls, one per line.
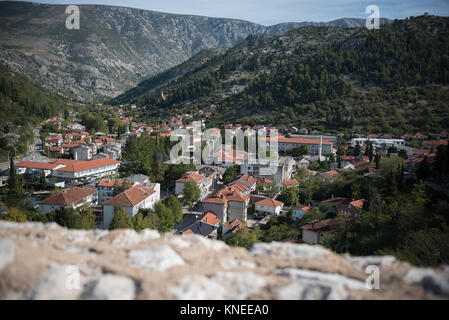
point(116, 47)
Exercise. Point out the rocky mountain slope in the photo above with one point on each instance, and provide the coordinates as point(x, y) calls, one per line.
point(40, 261)
point(115, 47)
point(321, 77)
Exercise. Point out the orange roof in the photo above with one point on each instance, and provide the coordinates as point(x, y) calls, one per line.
point(78, 165)
point(36, 165)
point(289, 183)
point(210, 218)
point(223, 195)
point(248, 179)
point(111, 183)
point(131, 197)
point(263, 180)
point(269, 203)
point(302, 207)
point(358, 204)
point(188, 232)
point(191, 177)
point(69, 196)
point(240, 187)
point(282, 139)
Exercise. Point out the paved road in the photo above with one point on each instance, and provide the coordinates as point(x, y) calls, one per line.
point(33, 154)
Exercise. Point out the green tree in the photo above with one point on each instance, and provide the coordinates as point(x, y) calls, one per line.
point(175, 206)
point(191, 193)
point(85, 217)
point(121, 219)
point(165, 219)
point(289, 196)
point(141, 222)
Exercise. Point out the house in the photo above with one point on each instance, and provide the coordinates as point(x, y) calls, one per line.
point(32, 170)
point(269, 206)
point(282, 170)
point(74, 198)
point(227, 203)
point(4, 177)
point(205, 184)
point(303, 163)
point(84, 152)
point(299, 211)
point(138, 197)
point(230, 229)
point(106, 188)
point(316, 231)
point(434, 143)
point(206, 226)
point(361, 165)
point(329, 175)
point(290, 183)
point(246, 180)
point(350, 210)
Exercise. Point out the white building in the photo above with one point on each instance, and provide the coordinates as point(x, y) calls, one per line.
point(74, 198)
point(377, 143)
point(269, 207)
point(74, 170)
point(138, 197)
point(277, 173)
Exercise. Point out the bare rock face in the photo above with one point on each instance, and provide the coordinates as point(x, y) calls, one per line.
point(46, 261)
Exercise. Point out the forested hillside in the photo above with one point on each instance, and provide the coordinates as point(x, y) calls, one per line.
point(325, 77)
point(23, 104)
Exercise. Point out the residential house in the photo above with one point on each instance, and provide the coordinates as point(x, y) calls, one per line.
point(227, 204)
point(316, 231)
point(32, 170)
point(299, 211)
point(132, 200)
point(350, 210)
point(231, 228)
point(329, 175)
point(206, 226)
point(290, 183)
point(269, 206)
point(206, 185)
point(106, 188)
point(74, 198)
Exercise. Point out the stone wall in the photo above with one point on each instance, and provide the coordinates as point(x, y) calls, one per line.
point(40, 261)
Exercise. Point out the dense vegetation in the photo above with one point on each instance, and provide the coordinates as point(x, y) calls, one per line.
point(385, 80)
point(23, 105)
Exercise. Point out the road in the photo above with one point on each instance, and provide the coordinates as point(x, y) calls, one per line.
point(34, 154)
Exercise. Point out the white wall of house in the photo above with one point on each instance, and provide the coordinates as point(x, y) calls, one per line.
point(310, 236)
point(272, 210)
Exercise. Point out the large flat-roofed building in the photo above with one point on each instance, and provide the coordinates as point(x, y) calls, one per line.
point(378, 142)
point(314, 145)
point(331, 139)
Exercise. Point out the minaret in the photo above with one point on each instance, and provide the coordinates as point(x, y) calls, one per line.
point(320, 151)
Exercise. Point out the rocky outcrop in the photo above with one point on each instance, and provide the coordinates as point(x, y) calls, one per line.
point(46, 261)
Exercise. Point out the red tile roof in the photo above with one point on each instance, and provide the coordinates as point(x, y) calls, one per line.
point(223, 195)
point(317, 225)
point(358, 204)
point(191, 177)
point(289, 183)
point(210, 218)
point(131, 197)
point(69, 196)
point(36, 165)
point(269, 203)
point(78, 165)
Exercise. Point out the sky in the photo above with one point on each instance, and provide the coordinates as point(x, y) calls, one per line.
point(268, 12)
